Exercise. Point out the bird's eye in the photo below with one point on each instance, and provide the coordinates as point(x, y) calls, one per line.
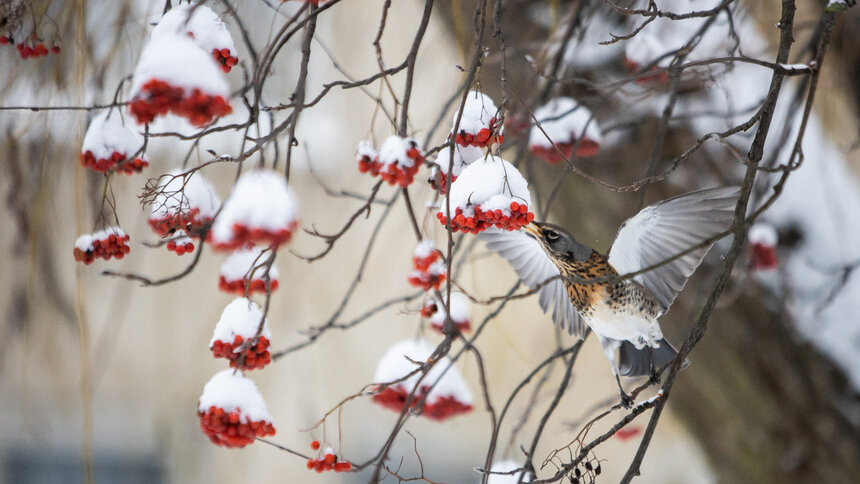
point(551, 235)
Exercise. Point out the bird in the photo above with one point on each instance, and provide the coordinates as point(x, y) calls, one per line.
point(663, 244)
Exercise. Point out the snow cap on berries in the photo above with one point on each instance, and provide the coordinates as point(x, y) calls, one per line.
point(172, 63)
point(763, 240)
point(178, 61)
point(564, 121)
point(204, 27)
point(240, 318)
point(506, 466)
point(428, 269)
point(449, 396)
point(394, 151)
point(197, 22)
point(459, 310)
point(244, 269)
point(763, 233)
point(232, 411)
point(111, 242)
point(463, 156)
point(489, 192)
point(108, 133)
point(231, 391)
point(261, 210)
point(479, 112)
point(181, 200)
point(493, 183)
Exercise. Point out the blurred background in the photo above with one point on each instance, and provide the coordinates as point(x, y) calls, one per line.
point(772, 392)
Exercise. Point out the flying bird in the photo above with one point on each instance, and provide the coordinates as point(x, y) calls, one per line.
point(622, 312)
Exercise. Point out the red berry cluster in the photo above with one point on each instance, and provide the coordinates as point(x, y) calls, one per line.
point(587, 147)
point(661, 77)
point(427, 274)
point(117, 162)
point(181, 247)
point(224, 59)
point(328, 461)
point(106, 246)
point(244, 236)
point(28, 52)
point(439, 181)
point(429, 309)
point(394, 398)
point(241, 285)
point(763, 257)
point(158, 97)
point(256, 355)
point(225, 428)
point(190, 221)
point(395, 173)
point(484, 137)
point(519, 217)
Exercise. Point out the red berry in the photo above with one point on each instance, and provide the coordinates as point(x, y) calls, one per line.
point(315, 445)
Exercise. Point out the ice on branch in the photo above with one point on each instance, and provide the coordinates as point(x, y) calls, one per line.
point(175, 76)
point(180, 243)
point(506, 466)
point(232, 412)
point(396, 162)
point(183, 202)
point(763, 240)
point(644, 49)
point(204, 27)
point(261, 210)
point(566, 129)
point(459, 310)
point(111, 145)
point(234, 336)
point(489, 192)
point(463, 156)
point(478, 125)
point(245, 271)
point(105, 244)
point(428, 268)
point(449, 397)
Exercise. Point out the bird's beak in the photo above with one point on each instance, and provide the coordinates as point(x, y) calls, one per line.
point(533, 229)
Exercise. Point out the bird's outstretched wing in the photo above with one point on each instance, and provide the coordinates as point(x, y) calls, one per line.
point(533, 266)
point(663, 230)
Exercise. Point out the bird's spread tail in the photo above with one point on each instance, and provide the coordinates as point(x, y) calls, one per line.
point(644, 362)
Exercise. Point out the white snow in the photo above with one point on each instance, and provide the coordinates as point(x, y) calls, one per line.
point(393, 151)
point(459, 309)
point(109, 133)
point(260, 199)
point(478, 111)
point(506, 466)
point(177, 60)
point(240, 263)
point(241, 317)
point(365, 148)
point(180, 238)
point(645, 48)
point(394, 366)
point(424, 249)
point(463, 156)
point(85, 242)
point(174, 198)
point(230, 391)
point(206, 28)
point(762, 233)
point(563, 120)
point(493, 183)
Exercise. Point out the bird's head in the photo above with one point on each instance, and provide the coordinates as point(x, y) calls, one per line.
point(558, 244)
